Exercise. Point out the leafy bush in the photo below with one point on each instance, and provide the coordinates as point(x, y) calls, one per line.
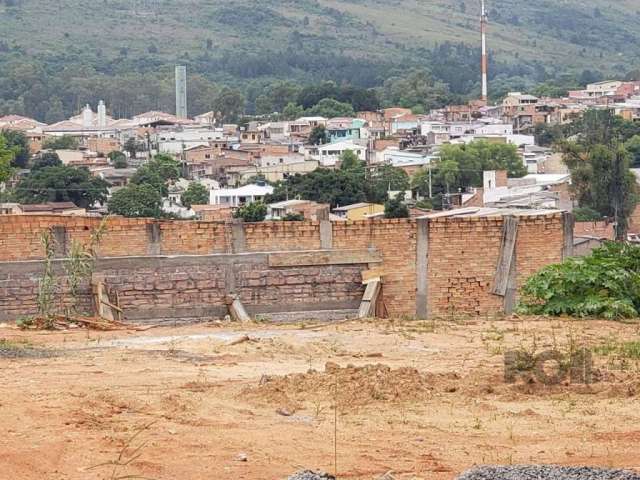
point(293, 217)
point(604, 284)
point(395, 208)
point(586, 214)
point(251, 212)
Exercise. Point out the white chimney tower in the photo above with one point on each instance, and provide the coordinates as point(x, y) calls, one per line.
point(102, 114)
point(87, 116)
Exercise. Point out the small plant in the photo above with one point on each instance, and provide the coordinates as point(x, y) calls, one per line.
point(128, 454)
point(47, 284)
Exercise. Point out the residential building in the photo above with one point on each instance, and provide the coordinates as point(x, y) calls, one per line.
point(328, 155)
point(49, 208)
point(358, 211)
point(308, 209)
point(236, 197)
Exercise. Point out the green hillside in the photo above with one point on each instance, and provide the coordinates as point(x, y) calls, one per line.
point(362, 42)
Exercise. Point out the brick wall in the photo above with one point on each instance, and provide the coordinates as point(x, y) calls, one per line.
point(152, 288)
point(462, 257)
point(595, 229)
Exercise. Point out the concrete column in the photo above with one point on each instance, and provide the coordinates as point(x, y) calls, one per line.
point(59, 237)
point(154, 238)
point(238, 239)
point(326, 235)
point(422, 269)
point(568, 223)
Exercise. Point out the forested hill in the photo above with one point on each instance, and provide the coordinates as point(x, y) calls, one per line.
point(247, 43)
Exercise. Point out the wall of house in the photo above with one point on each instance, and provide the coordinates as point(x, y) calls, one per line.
point(167, 265)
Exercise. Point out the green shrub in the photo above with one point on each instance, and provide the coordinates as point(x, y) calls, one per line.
point(293, 217)
point(586, 214)
point(395, 208)
point(605, 284)
point(251, 212)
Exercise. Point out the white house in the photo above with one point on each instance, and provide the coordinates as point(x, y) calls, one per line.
point(328, 155)
point(235, 197)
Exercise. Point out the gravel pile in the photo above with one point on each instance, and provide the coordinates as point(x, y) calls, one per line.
point(544, 472)
point(310, 475)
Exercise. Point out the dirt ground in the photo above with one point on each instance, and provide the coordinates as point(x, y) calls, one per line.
point(423, 400)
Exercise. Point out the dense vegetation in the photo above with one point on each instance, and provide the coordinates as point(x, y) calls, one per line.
point(604, 284)
point(123, 51)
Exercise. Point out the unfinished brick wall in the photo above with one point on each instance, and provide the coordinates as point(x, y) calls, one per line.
point(462, 254)
point(152, 288)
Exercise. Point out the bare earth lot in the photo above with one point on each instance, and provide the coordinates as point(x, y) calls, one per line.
point(429, 402)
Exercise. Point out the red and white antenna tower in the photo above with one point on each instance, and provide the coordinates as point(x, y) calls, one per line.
point(485, 62)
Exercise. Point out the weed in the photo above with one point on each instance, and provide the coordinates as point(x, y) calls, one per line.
point(128, 454)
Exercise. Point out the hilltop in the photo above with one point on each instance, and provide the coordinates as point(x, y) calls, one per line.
point(361, 42)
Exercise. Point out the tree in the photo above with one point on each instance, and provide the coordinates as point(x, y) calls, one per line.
point(196, 194)
point(334, 187)
point(62, 184)
point(292, 111)
point(330, 108)
point(136, 201)
point(319, 135)
point(633, 147)
point(157, 173)
point(229, 104)
point(417, 88)
point(65, 142)
point(251, 212)
point(132, 147)
point(19, 143)
point(6, 158)
point(395, 207)
point(118, 159)
point(45, 159)
point(350, 161)
point(386, 178)
point(448, 173)
point(601, 180)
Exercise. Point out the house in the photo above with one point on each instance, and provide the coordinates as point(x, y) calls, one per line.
point(339, 129)
point(358, 211)
point(328, 155)
point(524, 111)
point(303, 126)
point(208, 118)
point(531, 191)
point(251, 135)
point(117, 177)
point(49, 208)
point(270, 173)
point(236, 197)
point(308, 209)
point(213, 213)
